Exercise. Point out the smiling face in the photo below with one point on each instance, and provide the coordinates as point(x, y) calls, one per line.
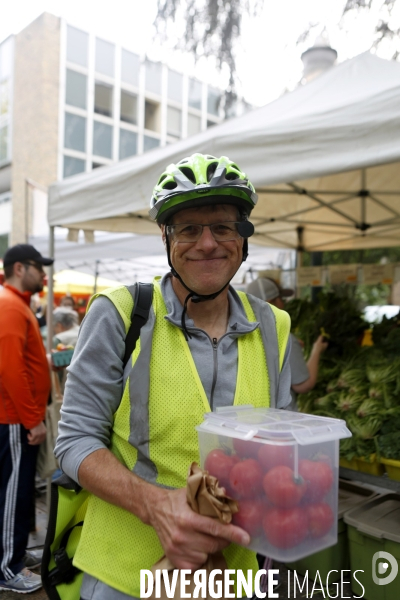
point(206, 265)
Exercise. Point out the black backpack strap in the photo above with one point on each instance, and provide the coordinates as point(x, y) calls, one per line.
point(143, 295)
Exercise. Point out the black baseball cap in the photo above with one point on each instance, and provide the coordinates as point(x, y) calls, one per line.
point(22, 253)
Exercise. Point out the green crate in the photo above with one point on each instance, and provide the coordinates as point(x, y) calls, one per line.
point(336, 557)
point(62, 358)
point(374, 527)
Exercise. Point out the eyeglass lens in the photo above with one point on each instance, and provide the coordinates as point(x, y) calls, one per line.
point(188, 232)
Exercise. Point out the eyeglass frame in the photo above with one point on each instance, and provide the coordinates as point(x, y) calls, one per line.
point(170, 228)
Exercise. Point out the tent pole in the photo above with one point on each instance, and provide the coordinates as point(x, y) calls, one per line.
point(50, 294)
point(299, 253)
point(96, 275)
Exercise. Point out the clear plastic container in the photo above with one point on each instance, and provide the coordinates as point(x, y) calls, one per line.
point(283, 469)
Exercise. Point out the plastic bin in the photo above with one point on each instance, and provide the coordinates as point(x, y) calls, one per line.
point(282, 467)
point(348, 464)
point(62, 358)
point(370, 465)
point(375, 527)
point(392, 468)
point(336, 557)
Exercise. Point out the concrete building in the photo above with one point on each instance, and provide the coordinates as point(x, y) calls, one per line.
point(71, 102)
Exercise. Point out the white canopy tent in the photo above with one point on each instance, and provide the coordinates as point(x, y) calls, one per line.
point(324, 160)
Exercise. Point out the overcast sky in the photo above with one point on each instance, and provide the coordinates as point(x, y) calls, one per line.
point(268, 59)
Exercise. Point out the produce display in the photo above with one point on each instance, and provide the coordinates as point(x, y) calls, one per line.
point(359, 373)
point(286, 485)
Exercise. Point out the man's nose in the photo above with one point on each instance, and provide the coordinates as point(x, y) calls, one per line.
point(207, 238)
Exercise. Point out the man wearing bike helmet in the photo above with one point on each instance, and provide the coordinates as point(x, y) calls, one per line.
point(128, 436)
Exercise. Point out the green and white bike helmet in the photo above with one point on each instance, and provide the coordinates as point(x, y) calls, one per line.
point(201, 180)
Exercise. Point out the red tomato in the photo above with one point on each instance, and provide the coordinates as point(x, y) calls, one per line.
point(320, 519)
point(285, 527)
point(282, 488)
point(220, 464)
point(250, 516)
point(318, 476)
point(246, 448)
point(245, 479)
point(270, 456)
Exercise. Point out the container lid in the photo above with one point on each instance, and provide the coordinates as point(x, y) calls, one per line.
point(247, 422)
point(379, 517)
point(351, 495)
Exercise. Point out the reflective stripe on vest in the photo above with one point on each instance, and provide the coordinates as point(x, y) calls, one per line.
point(152, 439)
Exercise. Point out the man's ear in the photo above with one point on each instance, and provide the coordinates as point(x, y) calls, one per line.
point(19, 269)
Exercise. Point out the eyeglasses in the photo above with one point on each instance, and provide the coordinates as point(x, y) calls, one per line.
point(36, 265)
point(192, 232)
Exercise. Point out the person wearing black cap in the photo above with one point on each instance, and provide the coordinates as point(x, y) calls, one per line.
point(303, 374)
point(24, 391)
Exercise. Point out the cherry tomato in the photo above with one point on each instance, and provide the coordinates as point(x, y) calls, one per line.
point(270, 455)
point(285, 527)
point(320, 519)
point(318, 476)
point(282, 488)
point(245, 479)
point(250, 516)
point(220, 464)
point(246, 448)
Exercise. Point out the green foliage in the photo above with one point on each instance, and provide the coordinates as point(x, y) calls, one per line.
point(358, 384)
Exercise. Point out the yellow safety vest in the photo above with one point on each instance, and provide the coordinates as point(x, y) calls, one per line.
point(154, 435)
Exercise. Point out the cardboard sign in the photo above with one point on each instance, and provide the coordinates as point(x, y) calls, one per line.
point(374, 274)
point(309, 276)
point(343, 274)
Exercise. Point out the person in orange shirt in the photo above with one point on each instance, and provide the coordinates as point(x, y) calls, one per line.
point(24, 392)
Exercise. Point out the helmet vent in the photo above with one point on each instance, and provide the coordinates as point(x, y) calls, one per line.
point(209, 157)
point(183, 161)
point(170, 185)
point(211, 170)
point(162, 178)
point(231, 176)
point(187, 171)
point(235, 167)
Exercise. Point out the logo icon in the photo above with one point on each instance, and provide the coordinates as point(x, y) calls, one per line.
point(383, 568)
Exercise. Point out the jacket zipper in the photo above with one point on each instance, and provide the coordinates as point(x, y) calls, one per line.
point(215, 370)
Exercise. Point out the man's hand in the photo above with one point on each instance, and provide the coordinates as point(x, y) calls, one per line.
point(37, 434)
point(187, 537)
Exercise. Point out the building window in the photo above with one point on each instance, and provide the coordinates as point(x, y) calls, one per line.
point(149, 143)
point(175, 86)
point(213, 101)
point(3, 143)
point(103, 99)
point(194, 124)
point(174, 121)
point(195, 93)
point(73, 166)
point(102, 139)
point(75, 132)
point(77, 46)
point(105, 53)
point(4, 97)
point(75, 91)
point(152, 116)
point(127, 143)
point(130, 64)
point(153, 77)
point(128, 107)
